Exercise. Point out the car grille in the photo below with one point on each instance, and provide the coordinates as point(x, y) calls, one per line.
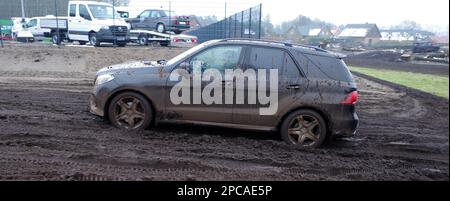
point(119, 30)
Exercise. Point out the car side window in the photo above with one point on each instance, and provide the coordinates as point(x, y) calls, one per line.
point(73, 10)
point(84, 13)
point(220, 58)
point(155, 14)
point(32, 23)
point(265, 58)
point(290, 69)
point(145, 14)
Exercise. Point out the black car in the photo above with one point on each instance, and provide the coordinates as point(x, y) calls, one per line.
point(424, 47)
point(161, 21)
point(315, 92)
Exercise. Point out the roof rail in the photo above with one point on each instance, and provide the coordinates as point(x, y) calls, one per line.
point(276, 42)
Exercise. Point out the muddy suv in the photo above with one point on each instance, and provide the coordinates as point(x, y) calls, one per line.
point(305, 93)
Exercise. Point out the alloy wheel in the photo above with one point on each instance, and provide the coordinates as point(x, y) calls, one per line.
point(129, 113)
point(304, 130)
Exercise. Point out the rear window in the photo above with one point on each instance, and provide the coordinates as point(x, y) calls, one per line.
point(265, 58)
point(332, 67)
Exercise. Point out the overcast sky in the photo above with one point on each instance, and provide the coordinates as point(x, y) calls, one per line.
point(431, 14)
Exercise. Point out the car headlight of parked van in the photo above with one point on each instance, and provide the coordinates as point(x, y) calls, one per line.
point(102, 79)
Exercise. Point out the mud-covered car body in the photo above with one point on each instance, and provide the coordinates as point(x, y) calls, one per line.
point(316, 80)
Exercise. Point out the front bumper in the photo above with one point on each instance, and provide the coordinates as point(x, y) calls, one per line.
point(99, 97)
point(94, 107)
point(108, 36)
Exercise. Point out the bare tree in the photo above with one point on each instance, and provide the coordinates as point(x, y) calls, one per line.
point(408, 25)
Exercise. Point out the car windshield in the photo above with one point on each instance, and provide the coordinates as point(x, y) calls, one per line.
point(190, 51)
point(103, 11)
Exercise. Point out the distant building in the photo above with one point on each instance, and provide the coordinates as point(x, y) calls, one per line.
point(305, 31)
point(364, 34)
point(405, 35)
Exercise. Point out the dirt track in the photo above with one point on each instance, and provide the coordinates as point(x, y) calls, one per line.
point(389, 60)
point(47, 133)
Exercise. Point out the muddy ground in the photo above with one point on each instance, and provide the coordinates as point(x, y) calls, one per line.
point(47, 132)
point(390, 60)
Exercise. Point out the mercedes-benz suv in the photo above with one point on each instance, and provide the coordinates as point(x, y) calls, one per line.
point(305, 93)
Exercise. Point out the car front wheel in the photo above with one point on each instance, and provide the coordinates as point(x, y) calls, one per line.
point(304, 128)
point(130, 111)
point(93, 40)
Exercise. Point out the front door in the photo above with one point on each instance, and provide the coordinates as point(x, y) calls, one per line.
point(208, 105)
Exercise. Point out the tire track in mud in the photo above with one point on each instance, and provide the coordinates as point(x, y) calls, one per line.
point(66, 136)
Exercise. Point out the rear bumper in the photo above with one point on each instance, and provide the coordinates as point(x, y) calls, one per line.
point(343, 120)
point(346, 127)
point(179, 27)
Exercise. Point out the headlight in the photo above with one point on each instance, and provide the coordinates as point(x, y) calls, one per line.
point(102, 79)
point(105, 27)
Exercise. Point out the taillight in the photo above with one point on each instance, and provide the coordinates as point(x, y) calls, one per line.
point(350, 99)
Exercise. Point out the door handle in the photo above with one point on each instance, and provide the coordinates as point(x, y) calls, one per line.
point(294, 86)
point(227, 82)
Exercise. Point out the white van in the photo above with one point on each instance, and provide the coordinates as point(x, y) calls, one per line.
point(96, 22)
point(36, 26)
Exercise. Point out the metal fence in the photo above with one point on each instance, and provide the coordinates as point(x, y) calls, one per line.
point(245, 24)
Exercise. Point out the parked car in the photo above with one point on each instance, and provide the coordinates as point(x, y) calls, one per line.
point(424, 47)
point(161, 21)
point(316, 91)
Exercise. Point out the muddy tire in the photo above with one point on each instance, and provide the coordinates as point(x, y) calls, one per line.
point(93, 40)
point(305, 128)
point(130, 111)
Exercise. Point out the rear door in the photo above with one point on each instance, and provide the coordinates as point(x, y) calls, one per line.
point(257, 58)
point(155, 17)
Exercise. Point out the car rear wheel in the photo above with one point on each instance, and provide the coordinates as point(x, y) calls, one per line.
point(56, 39)
point(304, 128)
point(130, 111)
